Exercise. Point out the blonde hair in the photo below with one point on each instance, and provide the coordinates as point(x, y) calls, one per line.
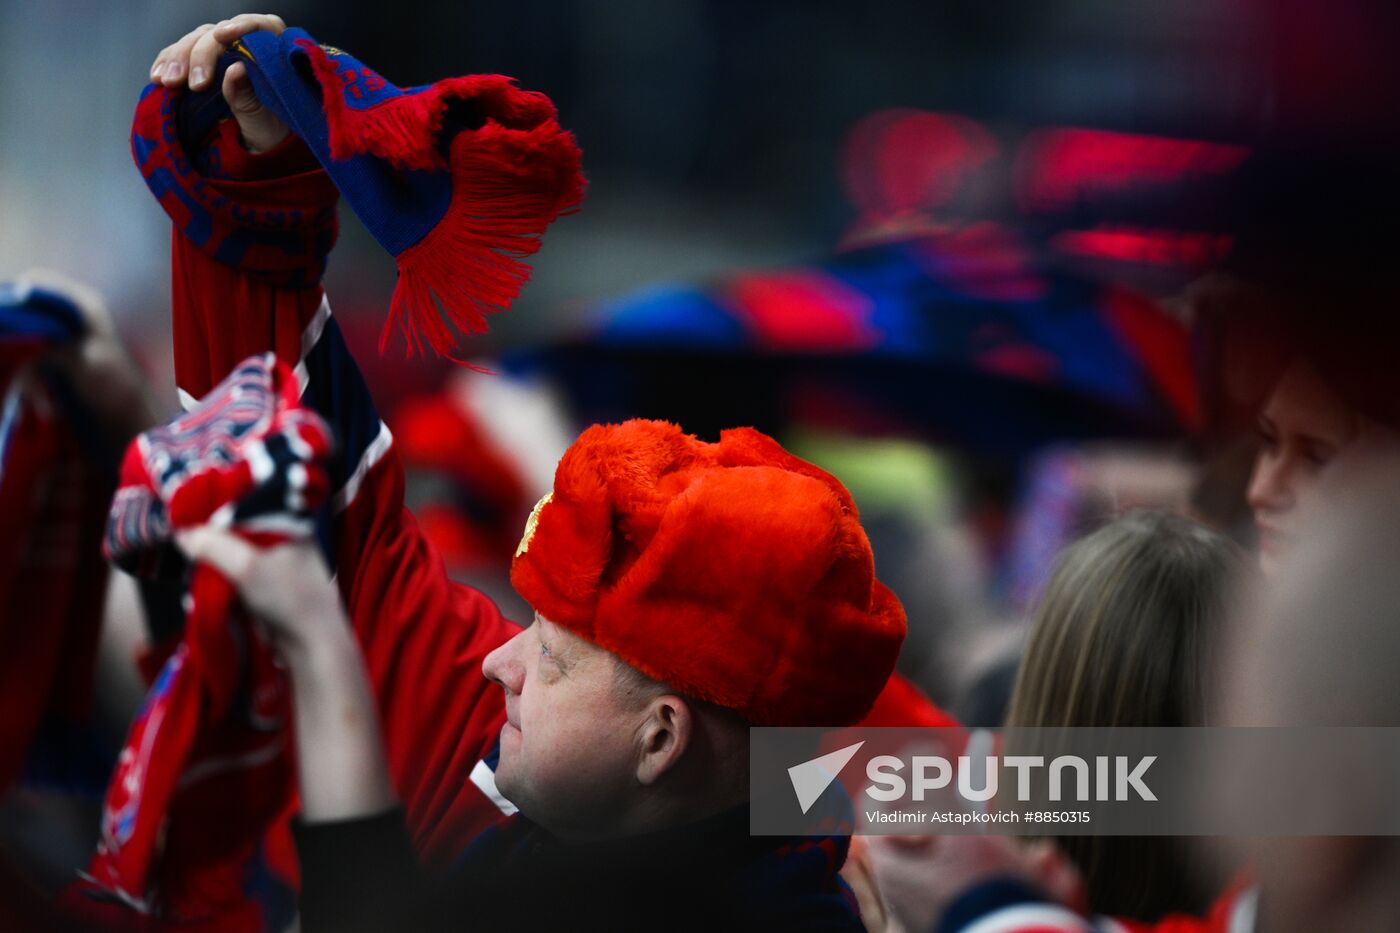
point(1124, 637)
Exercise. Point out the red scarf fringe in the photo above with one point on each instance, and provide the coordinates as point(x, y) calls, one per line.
point(511, 178)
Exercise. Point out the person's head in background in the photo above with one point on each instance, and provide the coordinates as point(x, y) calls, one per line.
point(1124, 637)
point(1318, 646)
point(1305, 424)
point(1314, 384)
point(1306, 309)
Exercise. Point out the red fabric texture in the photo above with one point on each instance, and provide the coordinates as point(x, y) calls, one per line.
point(511, 178)
point(474, 519)
point(734, 572)
point(52, 576)
point(212, 741)
point(278, 232)
point(1217, 919)
point(1164, 348)
point(903, 705)
point(423, 636)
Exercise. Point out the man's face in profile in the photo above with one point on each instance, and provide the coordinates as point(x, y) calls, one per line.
point(569, 744)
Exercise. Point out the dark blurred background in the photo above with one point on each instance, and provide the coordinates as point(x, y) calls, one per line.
point(712, 130)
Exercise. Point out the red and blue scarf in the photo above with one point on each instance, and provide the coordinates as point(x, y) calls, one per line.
point(457, 180)
point(213, 738)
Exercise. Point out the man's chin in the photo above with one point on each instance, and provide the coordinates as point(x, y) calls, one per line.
point(506, 763)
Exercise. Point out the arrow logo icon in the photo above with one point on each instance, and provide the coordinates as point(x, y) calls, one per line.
point(810, 778)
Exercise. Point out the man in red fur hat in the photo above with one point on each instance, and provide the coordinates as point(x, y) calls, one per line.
point(683, 591)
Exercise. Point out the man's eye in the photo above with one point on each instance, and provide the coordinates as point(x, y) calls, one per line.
point(544, 650)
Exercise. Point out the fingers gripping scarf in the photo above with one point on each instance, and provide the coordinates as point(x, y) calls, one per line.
point(207, 765)
point(457, 180)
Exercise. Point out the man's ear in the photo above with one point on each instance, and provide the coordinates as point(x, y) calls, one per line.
point(665, 735)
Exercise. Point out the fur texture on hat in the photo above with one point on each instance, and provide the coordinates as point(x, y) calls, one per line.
point(734, 572)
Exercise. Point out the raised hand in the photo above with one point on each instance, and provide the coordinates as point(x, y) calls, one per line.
point(191, 62)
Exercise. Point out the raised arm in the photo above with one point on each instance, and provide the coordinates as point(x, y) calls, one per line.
point(254, 218)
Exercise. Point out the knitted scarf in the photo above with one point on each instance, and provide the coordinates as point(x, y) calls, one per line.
point(457, 180)
point(207, 765)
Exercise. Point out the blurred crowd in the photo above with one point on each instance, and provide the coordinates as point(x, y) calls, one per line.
point(942, 365)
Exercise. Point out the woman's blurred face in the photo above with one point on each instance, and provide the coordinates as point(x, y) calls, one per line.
point(1303, 427)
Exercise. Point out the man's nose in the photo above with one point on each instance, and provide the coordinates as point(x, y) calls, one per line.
point(503, 666)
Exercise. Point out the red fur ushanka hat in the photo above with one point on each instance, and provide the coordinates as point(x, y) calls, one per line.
point(733, 572)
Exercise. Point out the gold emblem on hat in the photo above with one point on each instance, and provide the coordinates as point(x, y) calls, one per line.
point(532, 523)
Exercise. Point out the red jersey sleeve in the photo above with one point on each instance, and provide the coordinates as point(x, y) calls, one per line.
point(423, 636)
